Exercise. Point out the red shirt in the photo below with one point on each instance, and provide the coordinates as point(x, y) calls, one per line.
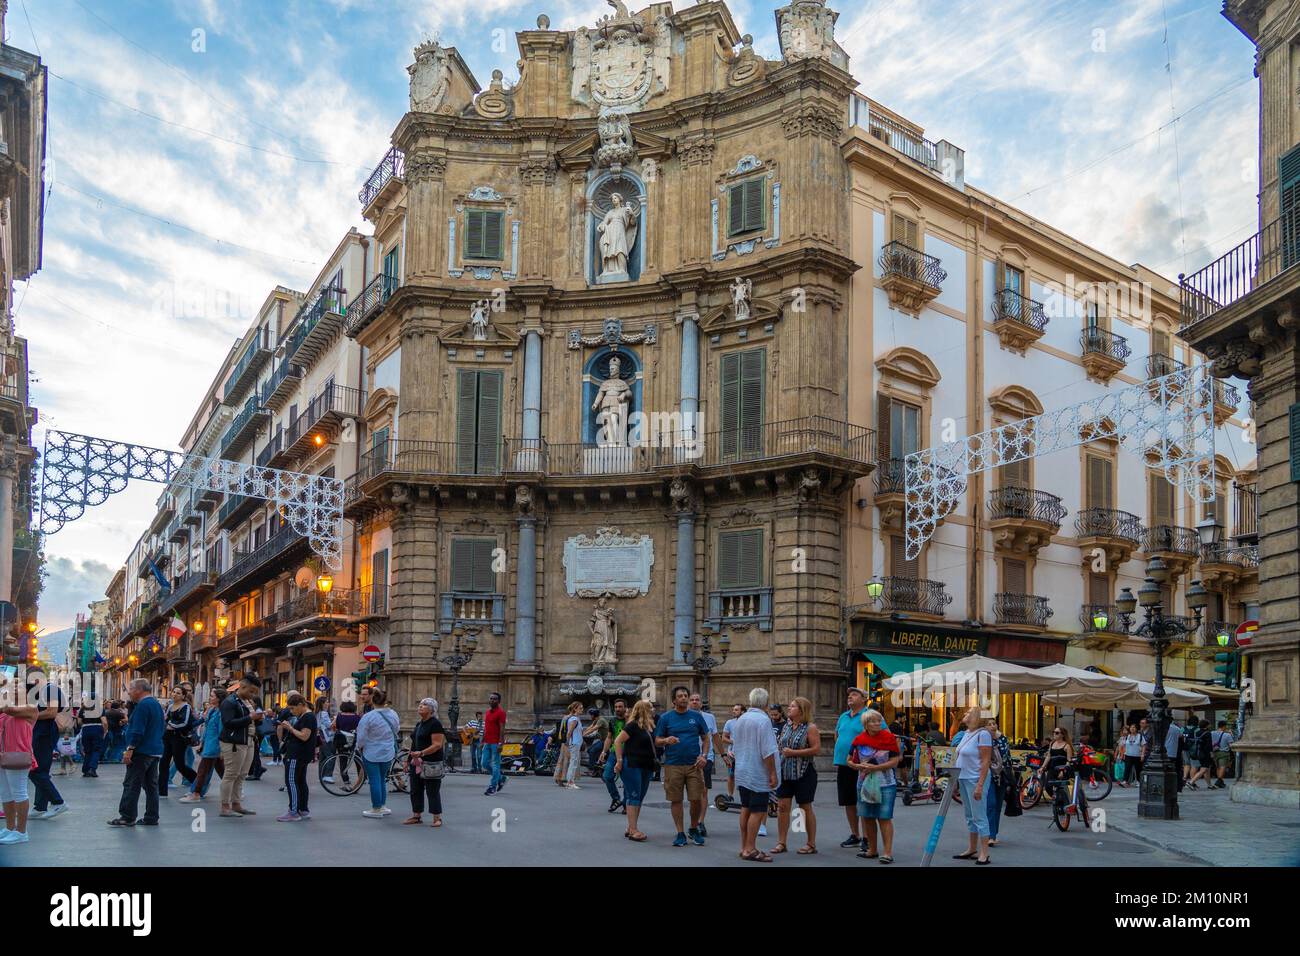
point(494, 725)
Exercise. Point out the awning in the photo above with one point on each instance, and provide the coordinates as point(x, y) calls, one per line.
point(902, 663)
point(1216, 693)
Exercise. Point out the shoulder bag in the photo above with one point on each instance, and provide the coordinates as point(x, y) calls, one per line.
point(12, 759)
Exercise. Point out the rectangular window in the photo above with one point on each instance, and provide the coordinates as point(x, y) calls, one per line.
point(1100, 490)
point(1288, 189)
point(1099, 589)
point(390, 272)
point(1092, 315)
point(745, 207)
point(742, 399)
point(1162, 500)
point(899, 565)
point(478, 422)
point(898, 428)
point(905, 231)
point(1013, 279)
point(1014, 475)
point(471, 565)
point(379, 582)
point(484, 234)
point(1015, 576)
point(1160, 343)
point(740, 558)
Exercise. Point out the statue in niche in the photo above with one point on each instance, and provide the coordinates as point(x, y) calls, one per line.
point(617, 234)
point(604, 635)
point(740, 292)
point(612, 404)
point(478, 320)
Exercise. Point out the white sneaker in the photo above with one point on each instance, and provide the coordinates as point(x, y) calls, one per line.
point(55, 810)
point(13, 836)
point(190, 798)
point(38, 814)
point(326, 779)
point(385, 811)
point(373, 814)
point(762, 829)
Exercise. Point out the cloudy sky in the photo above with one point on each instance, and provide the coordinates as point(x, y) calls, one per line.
point(203, 151)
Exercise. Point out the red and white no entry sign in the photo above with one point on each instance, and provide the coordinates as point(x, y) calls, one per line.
point(371, 653)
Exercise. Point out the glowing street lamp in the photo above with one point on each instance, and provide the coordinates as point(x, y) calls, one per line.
point(325, 583)
point(875, 588)
point(1100, 620)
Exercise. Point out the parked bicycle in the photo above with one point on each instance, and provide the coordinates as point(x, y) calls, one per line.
point(1069, 797)
point(343, 774)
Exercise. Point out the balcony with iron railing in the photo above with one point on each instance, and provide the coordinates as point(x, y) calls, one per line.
point(315, 326)
point(1210, 631)
point(368, 306)
point(1158, 365)
point(1245, 512)
point(192, 585)
point(894, 134)
point(1227, 399)
point(1020, 610)
point(178, 531)
point(283, 382)
point(909, 277)
point(269, 456)
point(473, 608)
point(255, 356)
point(740, 606)
point(236, 508)
point(1023, 520)
point(1103, 353)
point(277, 552)
point(1117, 533)
point(1265, 256)
point(320, 420)
point(244, 426)
point(390, 169)
point(1172, 541)
point(312, 609)
point(916, 596)
point(1018, 320)
point(1089, 615)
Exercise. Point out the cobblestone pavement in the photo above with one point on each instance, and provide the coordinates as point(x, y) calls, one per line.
point(534, 822)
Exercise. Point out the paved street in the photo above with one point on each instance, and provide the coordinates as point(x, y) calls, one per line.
point(531, 822)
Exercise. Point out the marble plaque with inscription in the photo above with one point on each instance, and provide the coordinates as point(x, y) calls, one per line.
point(608, 563)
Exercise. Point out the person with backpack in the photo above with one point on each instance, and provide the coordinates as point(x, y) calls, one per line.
point(999, 767)
point(299, 731)
point(1202, 755)
point(237, 744)
point(1221, 750)
point(176, 740)
point(210, 749)
point(566, 774)
point(376, 745)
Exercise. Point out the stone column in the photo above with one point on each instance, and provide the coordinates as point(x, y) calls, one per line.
point(8, 475)
point(532, 424)
point(689, 400)
point(684, 595)
point(526, 579)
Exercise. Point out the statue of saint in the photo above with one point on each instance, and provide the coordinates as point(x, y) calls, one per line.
point(604, 634)
point(740, 292)
point(478, 320)
point(617, 232)
point(613, 401)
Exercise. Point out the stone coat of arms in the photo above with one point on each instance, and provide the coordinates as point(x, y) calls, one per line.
point(430, 77)
point(622, 61)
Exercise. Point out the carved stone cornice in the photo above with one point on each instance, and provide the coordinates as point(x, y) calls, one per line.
point(425, 165)
point(537, 171)
point(696, 149)
point(813, 119)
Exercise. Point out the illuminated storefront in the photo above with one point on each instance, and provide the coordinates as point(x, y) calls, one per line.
point(880, 649)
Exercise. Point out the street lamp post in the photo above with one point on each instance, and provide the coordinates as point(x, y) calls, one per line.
point(1158, 797)
point(700, 657)
point(461, 654)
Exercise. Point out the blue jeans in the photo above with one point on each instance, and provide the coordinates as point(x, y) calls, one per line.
point(492, 762)
point(993, 807)
point(116, 746)
point(610, 783)
point(92, 747)
point(635, 784)
point(474, 764)
point(377, 778)
point(977, 816)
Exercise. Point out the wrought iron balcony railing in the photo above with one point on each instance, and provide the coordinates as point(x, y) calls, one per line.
point(1009, 304)
point(247, 563)
point(1109, 523)
point(915, 595)
point(1246, 511)
point(907, 142)
point(367, 306)
point(1025, 504)
point(257, 354)
point(1172, 539)
point(192, 584)
point(1210, 631)
point(243, 426)
point(1088, 619)
point(315, 324)
point(1241, 556)
point(897, 259)
point(741, 606)
point(891, 476)
point(391, 167)
point(281, 384)
point(1158, 365)
point(329, 406)
point(1030, 610)
point(272, 449)
point(1098, 341)
point(1238, 272)
point(1225, 394)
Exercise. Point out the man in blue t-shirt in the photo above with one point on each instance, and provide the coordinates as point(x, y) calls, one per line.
point(684, 735)
point(846, 778)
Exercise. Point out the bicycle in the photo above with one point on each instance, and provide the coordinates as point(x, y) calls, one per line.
point(1078, 800)
point(343, 773)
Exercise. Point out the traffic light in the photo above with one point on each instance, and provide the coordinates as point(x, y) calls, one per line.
point(1226, 663)
point(873, 686)
point(13, 652)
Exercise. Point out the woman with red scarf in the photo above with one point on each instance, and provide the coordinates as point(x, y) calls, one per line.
point(875, 754)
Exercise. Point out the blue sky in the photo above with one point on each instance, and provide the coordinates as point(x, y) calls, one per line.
point(192, 172)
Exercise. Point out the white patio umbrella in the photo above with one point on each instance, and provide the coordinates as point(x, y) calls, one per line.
point(1001, 677)
point(1139, 696)
point(1092, 680)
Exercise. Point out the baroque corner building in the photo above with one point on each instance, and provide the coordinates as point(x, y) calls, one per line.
point(1243, 312)
point(606, 337)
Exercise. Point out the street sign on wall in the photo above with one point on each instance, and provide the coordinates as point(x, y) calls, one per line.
point(1246, 632)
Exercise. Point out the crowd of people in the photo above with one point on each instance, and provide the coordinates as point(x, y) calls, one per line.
point(768, 750)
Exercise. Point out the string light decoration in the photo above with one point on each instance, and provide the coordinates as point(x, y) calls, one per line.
point(80, 472)
point(1169, 420)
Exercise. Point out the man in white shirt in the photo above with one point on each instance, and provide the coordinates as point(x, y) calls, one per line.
point(736, 711)
point(754, 748)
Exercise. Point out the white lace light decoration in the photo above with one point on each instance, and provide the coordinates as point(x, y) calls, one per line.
point(1169, 420)
point(79, 471)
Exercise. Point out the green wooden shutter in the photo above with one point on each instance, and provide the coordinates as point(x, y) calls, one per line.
point(378, 582)
point(466, 420)
point(489, 423)
point(745, 211)
point(474, 228)
point(754, 204)
point(1293, 415)
point(751, 401)
point(462, 564)
point(736, 209)
point(1288, 189)
point(493, 235)
point(882, 427)
point(729, 399)
point(484, 578)
point(740, 558)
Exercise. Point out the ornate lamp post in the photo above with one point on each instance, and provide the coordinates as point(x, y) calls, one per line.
point(1158, 797)
point(462, 653)
point(700, 657)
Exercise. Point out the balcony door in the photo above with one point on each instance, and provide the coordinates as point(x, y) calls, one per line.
point(1162, 501)
point(478, 422)
point(898, 431)
point(1288, 188)
point(742, 393)
point(1099, 480)
point(389, 285)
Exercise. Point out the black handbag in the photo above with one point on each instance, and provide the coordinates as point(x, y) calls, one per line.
point(1011, 794)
